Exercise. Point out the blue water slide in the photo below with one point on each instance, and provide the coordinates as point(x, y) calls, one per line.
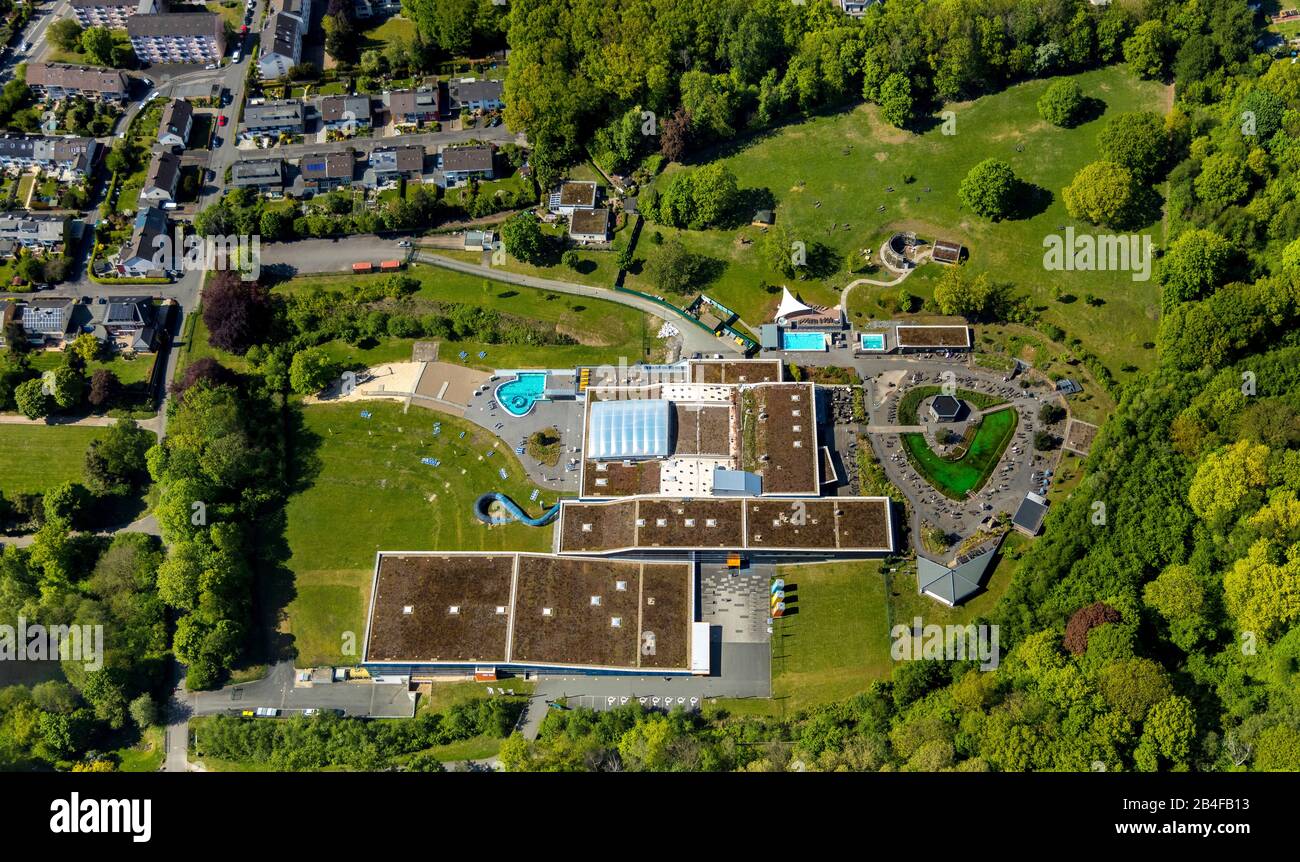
point(482, 504)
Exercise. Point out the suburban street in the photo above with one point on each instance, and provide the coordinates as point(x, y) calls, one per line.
point(429, 140)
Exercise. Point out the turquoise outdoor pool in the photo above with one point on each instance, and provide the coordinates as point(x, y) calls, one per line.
point(873, 341)
point(518, 396)
point(803, 340)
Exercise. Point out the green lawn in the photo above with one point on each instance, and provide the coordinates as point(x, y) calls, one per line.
point(1094, 404)
point(829, 175)
point(230, 10)
point(132, 374)
point(38, 457)
point(907, 603)
point(367, 474)
point(604, 330)
point(836, 641)
point(596, 267)
point(957, 477)
point(146, 756)
point(912, 400)
point(394, 27)
point(196, 346)
point(77, 58)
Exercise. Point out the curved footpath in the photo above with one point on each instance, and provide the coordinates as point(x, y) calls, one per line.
point(694, 340)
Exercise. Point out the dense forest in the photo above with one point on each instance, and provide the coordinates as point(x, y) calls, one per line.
point(582, 72)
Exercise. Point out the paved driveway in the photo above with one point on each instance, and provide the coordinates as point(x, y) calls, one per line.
point(277, 690)
point(332, 256)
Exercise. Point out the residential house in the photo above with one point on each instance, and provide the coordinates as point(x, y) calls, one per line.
point(415, 106)
point(273, 118)
point(75, 155)
point(60, 80)
point(589, 225)
point(344, 113)
point(30, 230)
point(177, 37)
point(137, 256)
point(261, 175)
point(470, 94)
point(327, 171)
point(462, 164)
point(365, 9)
point(162, 178)
point(282, 36)
point(110, 13)
point(572, 196)
point(130, 321)
point(856, 8)
point(177, 123)
point(46, 320)
point(391, 163)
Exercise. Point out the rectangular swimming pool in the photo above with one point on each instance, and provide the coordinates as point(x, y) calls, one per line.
point(803, 341)
point(874, 341)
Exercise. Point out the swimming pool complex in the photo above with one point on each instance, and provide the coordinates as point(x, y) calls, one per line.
point(803, 340)
point(518, 395)
point(873, 341)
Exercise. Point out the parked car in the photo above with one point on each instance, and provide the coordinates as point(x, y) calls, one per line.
point(222, 120)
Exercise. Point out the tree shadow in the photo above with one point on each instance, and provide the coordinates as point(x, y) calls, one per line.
point(926, 123)
point(1147, 208)
point(1030, 200)
point(823, 261)
point(275, 273)
point(275, 580)
point(748, 202)
point(1090, 109)
point(709, 269)
point(113, 511)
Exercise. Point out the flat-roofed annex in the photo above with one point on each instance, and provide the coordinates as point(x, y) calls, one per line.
point(933, 337)
point(779, 437)
point(835, 525)
point(457, 609)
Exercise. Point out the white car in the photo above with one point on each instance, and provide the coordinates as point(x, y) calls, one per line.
point(210, 66)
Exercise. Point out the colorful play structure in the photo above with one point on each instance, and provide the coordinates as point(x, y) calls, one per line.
point(482, 508)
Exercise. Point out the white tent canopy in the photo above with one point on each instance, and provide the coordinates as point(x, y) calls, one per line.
point(789, 305)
